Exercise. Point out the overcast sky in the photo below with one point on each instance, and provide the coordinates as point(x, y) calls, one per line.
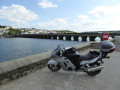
point(75, 15)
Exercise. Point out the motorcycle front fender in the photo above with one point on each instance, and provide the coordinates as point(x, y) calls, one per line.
point(52, 62)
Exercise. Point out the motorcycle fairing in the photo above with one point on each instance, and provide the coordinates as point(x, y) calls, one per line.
point(62, 61)
point(52, 62)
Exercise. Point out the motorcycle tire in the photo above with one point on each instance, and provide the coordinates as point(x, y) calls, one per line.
point(54, 68)
point(94, 73)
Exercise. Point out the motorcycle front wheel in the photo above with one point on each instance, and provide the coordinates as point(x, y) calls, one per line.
point(54, 68)
point(94, 73)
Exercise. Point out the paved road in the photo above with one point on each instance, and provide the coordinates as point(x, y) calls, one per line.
point(108, 79)
point(117, 44)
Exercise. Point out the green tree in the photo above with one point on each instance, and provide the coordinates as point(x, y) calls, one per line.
point(13, 31)
point(2, 26)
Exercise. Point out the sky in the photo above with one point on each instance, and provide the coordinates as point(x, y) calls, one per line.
point(74, 15)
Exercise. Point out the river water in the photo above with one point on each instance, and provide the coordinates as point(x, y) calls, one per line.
point(13, 48)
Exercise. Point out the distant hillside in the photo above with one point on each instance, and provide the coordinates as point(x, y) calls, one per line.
point(117, 31)
point(13, 31)
point(65, 31)
point(2, 26)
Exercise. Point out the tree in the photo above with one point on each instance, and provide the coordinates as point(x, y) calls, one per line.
point(13, 31)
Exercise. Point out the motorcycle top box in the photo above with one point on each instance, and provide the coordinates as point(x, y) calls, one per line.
point(106, 46)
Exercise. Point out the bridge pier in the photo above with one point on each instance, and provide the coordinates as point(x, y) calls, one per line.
point(60, 37)
point(68, 37)
point(48, 37)
point(76, 38)
point(54, 37)
point(51, 37)
point(38, 36)
point(92, 38)
point(44, 37)
point(84, 38)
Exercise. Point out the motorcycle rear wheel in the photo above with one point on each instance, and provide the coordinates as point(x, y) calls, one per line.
point(94, 73)
point(54, 68)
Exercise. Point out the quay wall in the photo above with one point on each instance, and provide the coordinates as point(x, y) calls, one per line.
point(14, 69)
point(117, 38)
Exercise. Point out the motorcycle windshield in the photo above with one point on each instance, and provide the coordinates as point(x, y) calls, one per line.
point(56, 51)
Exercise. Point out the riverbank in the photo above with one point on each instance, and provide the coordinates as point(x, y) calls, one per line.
point(6, 36)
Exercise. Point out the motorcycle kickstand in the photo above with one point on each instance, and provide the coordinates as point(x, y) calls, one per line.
point(75, 73)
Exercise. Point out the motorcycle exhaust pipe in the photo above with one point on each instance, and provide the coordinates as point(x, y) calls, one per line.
point(95, 69)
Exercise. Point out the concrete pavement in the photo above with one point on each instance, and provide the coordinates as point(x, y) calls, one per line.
point(108, 79)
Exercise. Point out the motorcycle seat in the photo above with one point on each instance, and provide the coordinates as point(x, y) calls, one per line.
point(73, 56)
point(88, 56)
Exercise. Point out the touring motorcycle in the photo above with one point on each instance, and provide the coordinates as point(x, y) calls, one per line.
point(69, 59)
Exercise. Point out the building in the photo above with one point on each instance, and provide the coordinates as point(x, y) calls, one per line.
point(8, 27)
point(1, 33)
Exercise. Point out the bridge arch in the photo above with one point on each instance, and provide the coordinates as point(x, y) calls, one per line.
point(72, 38)
point(64, 38)
point(79, 38)
point(88, 39)
point(97, 39)
point(57, 37)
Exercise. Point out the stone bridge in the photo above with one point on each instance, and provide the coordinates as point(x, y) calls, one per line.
point(73, 36)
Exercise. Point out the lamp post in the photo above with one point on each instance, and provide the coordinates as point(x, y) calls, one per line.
point(100, 35)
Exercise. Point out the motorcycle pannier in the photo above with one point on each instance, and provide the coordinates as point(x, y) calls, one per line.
point(106, 46)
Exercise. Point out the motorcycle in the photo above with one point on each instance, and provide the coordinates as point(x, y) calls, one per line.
point(69, 59)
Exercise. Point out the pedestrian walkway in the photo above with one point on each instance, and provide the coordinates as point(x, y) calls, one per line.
point(108, 79)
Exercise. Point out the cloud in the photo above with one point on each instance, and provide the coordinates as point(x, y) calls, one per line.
point(82, 17)
point(81, 25)
point(109, 16)
point(60, 0)
point(99, 19)
point(57, 24)
point(47, 4)
point(105, 11)
point(63, 24)
point(17, 14)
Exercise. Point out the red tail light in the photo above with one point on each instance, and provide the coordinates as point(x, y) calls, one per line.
point(112, 50)
point(109, 57)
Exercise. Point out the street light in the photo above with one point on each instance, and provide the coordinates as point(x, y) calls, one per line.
point(100, 35)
